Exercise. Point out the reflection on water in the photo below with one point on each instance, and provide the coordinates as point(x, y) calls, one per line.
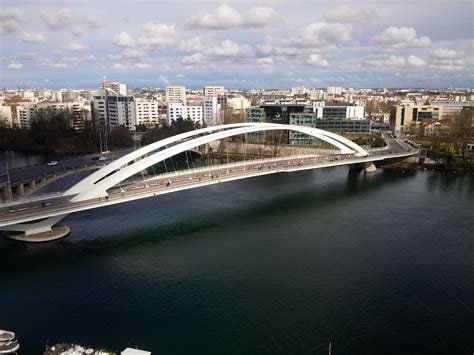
point(374, 263)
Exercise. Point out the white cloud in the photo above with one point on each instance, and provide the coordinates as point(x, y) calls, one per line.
point(414, 61)
point(65, 18)
point(32, 38)
point(123, 39)
point(194, 44)
point(141, 65)
point(317, 61)
point(119, 66)
point(132, 54)
point(126, 55)
point(29, 56)
point(164, 79)
point(265, 62)
point(58, 20)
point(15, 65)
point(323, 33)
point(447, 59)
point(223, 17)
point(394, 61)
point(260, 16)
point(228, 48)
point(157, 35)
point(84, 58)
point(264, 49)
point(193, 59)
point(74, 47)
point(179, 76)
point(401, 37)
point(10, 20)
point(48, 62)
point(441, 53)
point(348, 14)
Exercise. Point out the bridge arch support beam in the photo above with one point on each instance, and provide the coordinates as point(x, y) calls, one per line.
point(99, 188)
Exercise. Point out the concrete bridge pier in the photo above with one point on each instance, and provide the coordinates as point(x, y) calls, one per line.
point(7, 193)
point(20, 190)
point(43, 230)
point(370, 167)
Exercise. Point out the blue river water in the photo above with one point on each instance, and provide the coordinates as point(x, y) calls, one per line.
point(282, 264)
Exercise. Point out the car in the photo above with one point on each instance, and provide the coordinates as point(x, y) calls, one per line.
point(52, 163)
point(102, 158)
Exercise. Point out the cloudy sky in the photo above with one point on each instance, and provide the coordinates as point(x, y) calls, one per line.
point(239, 44)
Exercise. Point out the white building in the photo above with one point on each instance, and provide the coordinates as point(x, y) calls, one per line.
point(211, 110)
point(177, 109)
point(213, 90)
point(176, 94)
point(147, 112)
point(110, 110)
point(28, 94)
point(238, 103)
point(300, 90)
point(119, 88)
point(57, 95)
point(334, 90)
point(23, 117)
point(6, 116)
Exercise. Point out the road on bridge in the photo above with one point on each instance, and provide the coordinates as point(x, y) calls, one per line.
point(183, 180)
point(29, 172)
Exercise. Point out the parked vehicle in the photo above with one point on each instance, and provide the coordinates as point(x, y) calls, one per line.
point(52, 163)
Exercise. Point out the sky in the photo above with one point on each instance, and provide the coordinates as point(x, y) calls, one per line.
point(238, 44)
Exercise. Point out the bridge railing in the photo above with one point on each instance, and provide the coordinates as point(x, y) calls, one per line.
point(34, 198)
point(209, 168)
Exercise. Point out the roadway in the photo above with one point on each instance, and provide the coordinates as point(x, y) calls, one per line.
point(55, 205)
point(28, 173)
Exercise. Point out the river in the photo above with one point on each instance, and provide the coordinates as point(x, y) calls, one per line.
point(374, 264)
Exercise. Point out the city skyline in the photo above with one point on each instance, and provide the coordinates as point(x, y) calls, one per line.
point(237, 44)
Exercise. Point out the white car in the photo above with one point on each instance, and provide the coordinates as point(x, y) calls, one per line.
point(102, 158)
point(52, 163)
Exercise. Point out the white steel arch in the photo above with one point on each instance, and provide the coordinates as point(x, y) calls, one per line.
point(89, 181)
point(99, 188)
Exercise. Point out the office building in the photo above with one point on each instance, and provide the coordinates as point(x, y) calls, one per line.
point(176, 94)
point(343, 112)
point(452, 109)
point(148, 112)
point(177, 109)
point(110, 110)
point(213, 90)
point(118, 88)
point(402, 116)
point(211, 110)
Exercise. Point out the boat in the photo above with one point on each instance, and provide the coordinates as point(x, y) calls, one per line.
point(8, 343)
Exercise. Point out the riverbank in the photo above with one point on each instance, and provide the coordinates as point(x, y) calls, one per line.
point(416, 166)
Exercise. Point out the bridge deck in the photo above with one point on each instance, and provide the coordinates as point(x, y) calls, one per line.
point(186, 179)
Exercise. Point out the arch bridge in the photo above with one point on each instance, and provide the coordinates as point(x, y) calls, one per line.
point(36, 220)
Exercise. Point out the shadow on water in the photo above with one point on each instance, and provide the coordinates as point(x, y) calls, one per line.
point(294, 194)
point(462, 185)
